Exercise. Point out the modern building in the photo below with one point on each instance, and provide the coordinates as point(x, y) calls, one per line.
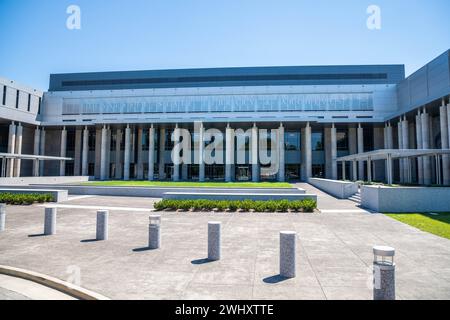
point(118, 125)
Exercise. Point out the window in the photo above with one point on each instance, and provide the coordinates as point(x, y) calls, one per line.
point(342, 139)
point(91, 140)
point(17, 99)
point(4, 95)
point(169, 143)
point(317, 141)
point(292, 141)
point(39, 105)
point(318, 170)
point(29, 102)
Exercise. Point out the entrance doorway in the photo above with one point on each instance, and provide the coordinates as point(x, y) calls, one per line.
point(243, 173)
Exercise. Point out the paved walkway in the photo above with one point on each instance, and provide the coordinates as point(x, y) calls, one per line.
point(12, 288)
point(334, 252)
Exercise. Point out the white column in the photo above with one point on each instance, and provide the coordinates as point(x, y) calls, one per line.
point(360, 150)
point(108, 152)
point(369, 169)
point(85, 152)
point(308, 158)
point(254, 154)
point(176, 158)
point(419, 146)
point(42, 152)
point(343, 170)
point(118, 160)
point(62, 163)
point(405, 145)
point(37, 141)
point(162, 150)
point(18, 149)
point(445, 143)
point(354, 170)
point(389, 169)
point(201, 148)
point(78, 151)
point(151, 153)
point(425, 145)
point(103, 154)
point(229, 153)
point(400, 146)
point(140, 159)
point(333, 153)
point(281, 154)
point(11, 149)
point(126, 156)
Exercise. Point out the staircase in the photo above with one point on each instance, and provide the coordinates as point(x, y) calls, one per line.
point(356, 197)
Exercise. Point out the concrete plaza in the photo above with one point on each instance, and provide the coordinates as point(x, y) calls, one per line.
point(334, 252)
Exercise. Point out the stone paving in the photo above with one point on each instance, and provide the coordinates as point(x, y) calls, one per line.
point(334, 252)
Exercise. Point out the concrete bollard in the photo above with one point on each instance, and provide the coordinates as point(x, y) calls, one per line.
point(102, 224)
point(154, 232)
point(383, 273)
point(2, 217)
point(50, 221)
point(214, 240)
point(287, 254)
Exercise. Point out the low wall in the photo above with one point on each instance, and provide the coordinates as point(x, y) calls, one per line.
point(405, 199)
point(339, 189)
point(58, 195)
point(152, 192)
point(42, 180)
point(238, 196)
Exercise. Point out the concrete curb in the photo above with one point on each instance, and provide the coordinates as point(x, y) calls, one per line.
point(51, 282)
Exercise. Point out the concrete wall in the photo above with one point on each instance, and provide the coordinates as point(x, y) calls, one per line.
point(405, 199)
point(42, 180)
point(338, 189)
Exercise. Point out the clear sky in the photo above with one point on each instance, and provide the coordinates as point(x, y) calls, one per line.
point(166, 34)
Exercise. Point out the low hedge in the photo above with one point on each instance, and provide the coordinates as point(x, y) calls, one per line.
point(24, 198)
point(306, 205)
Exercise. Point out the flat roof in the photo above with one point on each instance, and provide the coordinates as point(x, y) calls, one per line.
point(225, 77)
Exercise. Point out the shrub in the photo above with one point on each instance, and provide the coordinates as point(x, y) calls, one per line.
point(23, 198)
point(307, 205)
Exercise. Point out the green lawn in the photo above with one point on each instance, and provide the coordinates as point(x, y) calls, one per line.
point(140, 183)
point(435, 224)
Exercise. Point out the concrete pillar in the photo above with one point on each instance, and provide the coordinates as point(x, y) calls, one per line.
point(354, 170)
point(11, 149)
point(287, 254)
point(162, 151)
point(343, 170)
point(400, 146)
point(154, 232)
point(201, 148)
point(18, 149)
point(184, 172)
point(151, 153)
point(85, 153)
point(445, 143)
point(353, 149)
point(78, 152)
point(360, 132)
point(229, 153)
point(281, 154)
point(42, 153)
point(102, 225)
point(389, 169)
point(214, 240)
point(103, 154)
point(425, 145)
point(118, 160)
point(334, 173)
point(254, 154)
point(308, 151)
point(126, 156)
point(36, 149)
point(405, 145)
point(62, 163)
point(419, 146)
point(369, 169)
point(2, 217)
point(108, 153)
point(140, 159)
point(176, 158)
point(50, 221)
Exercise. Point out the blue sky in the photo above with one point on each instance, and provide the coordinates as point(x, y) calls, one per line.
point(166, 34)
